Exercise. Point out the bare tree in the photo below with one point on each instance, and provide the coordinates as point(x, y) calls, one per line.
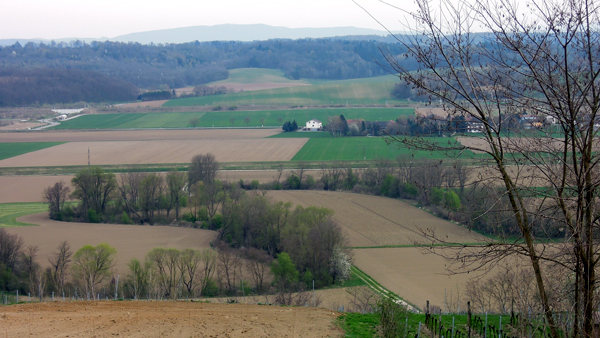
point(258, 263)
point(59, 265)
point(175, 183)
point(203, 168)
point(542, 60)
point(56, 196)
point(228, 267)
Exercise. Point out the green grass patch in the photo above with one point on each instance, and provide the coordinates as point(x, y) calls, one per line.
point(131, 121)
point(8, 150)
point(344, 93)
point(358, 325)
point(366, 148)
point(9, 212)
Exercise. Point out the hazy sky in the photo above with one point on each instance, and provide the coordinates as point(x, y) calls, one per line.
point(54, 19)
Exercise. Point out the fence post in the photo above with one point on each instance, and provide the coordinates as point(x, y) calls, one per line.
point(406, 328)
point(485, 332)
point(17, 296)
point(453, 327)
point(419, 332)
point(469, 317)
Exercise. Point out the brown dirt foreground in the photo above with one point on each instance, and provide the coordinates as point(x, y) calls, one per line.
point(164, 319)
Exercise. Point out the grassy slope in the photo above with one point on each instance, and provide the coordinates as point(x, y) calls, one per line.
point(9, 212)
point(8, 150)
point(348, 92)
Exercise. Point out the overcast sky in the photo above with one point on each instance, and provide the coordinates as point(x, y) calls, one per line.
point(55, 19)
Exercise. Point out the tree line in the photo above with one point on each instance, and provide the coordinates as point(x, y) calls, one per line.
point(39, 86)
point(164, 273)
point(178, 65)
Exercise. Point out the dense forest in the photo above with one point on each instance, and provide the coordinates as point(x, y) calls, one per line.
point(172, 66)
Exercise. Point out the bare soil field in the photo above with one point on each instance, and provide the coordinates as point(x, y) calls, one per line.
point(414, 275)
point(15, 189)
point(131, 241)
point(145, 104)
point(258, 86)
point(136, 135)
point(376, 221)
point(164, 151)
point(165, 319)
point(437, 112)
point(22, 125)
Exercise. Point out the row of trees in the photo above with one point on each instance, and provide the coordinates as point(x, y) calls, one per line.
point(165, 273)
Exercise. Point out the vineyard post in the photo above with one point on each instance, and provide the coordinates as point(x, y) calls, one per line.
point(419, 332)
point(405, 326)
point(453, 327)
point(17, 296)
point(500, 333)
point(485, 332)
point(469, 317)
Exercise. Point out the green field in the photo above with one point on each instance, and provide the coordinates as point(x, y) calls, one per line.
point(343, 93)
point(220, 119)
point(363, 148)
point(12, 149)
point(9, 212)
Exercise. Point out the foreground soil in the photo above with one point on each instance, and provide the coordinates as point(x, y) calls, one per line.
point(164, 319)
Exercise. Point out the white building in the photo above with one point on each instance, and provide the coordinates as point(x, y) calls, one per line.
point(314, 125)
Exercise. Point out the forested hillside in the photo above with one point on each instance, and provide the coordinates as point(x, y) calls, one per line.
point(179, 65)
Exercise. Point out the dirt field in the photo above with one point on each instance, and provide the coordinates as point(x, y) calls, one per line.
point(22, 125)
point(131, 241)
point(164, 319)
point(375, 221)
point(145, 104)
point(136, 135)
point(164, 151)
point(414, 275)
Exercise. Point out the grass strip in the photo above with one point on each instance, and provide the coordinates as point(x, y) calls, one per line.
point(9, 212)
point(12, 149)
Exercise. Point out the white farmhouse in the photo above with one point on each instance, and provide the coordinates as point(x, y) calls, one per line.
point(314, 125)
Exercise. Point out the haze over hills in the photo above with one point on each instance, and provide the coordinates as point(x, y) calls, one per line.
point(225, 32)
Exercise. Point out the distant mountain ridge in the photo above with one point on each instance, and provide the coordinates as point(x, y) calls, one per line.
point(224, 32)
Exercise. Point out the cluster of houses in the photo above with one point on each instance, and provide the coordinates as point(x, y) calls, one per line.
point(433, 124)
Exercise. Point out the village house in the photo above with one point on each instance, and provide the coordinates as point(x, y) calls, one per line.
point(314, 125)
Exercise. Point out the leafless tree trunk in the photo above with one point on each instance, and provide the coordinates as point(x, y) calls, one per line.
point(59, 264)
point(541, 61)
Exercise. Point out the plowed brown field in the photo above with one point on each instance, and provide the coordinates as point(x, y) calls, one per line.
point(164, 319)
point(376, 221)
point(131, 241)
point(136, 135)
point(165, 151)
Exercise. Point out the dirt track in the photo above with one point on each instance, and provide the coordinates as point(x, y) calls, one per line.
point(164, 319)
